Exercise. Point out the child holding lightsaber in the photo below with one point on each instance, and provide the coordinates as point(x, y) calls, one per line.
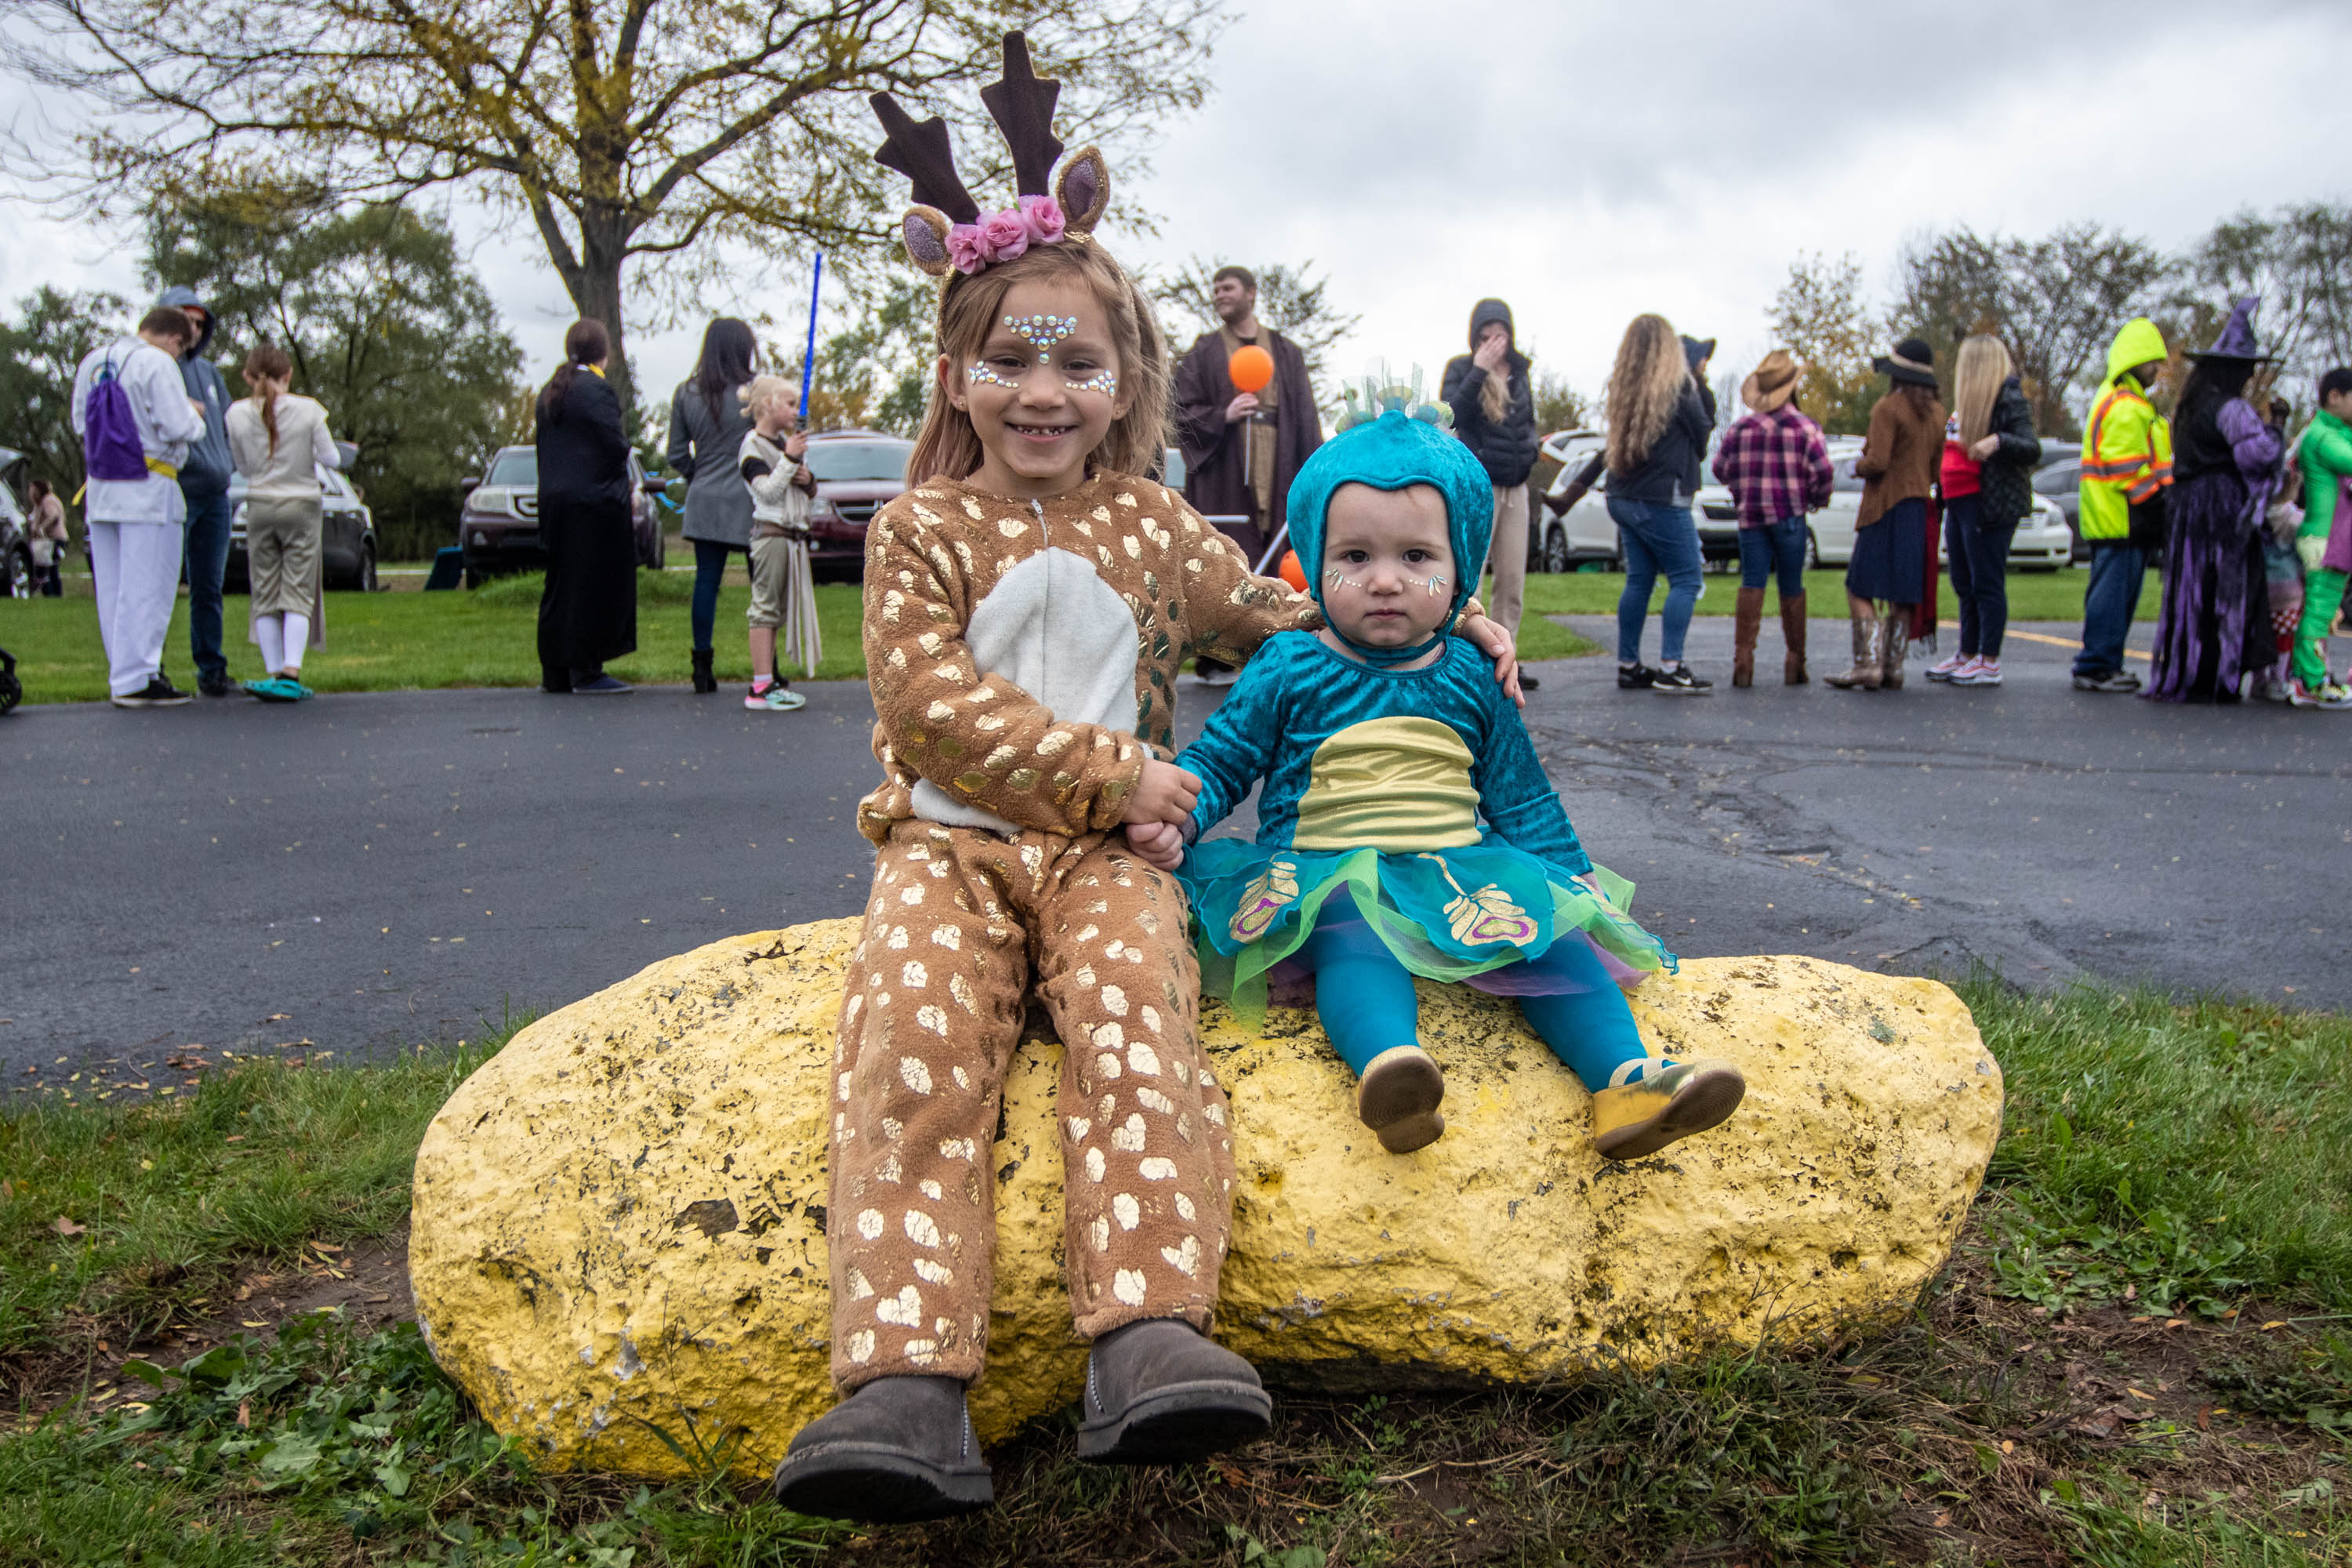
point(784, 594)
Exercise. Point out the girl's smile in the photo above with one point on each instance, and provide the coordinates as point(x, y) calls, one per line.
point(1043, 391)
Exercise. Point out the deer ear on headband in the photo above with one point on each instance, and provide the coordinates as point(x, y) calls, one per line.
point(924, 233)
point(1084, 190)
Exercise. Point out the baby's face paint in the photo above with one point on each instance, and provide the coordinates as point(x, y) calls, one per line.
point(1388, 565)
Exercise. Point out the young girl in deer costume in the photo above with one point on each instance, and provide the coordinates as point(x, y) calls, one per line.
point(1027, 607)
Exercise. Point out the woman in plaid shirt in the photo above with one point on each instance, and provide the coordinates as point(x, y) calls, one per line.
point(1779, 471)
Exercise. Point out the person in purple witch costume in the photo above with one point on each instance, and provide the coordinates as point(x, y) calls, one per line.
point(2215, 623)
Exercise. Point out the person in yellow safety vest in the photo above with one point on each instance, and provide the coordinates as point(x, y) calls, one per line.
point(2126, 469)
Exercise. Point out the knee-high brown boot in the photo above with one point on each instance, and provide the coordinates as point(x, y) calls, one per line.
point(1793, 632)
point(1864, 674)
point(1747, 618)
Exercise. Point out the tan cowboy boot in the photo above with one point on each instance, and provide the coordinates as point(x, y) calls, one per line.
point(1747, 616)
point(1865, 671)
point(1896, 646)
point(1793, 632)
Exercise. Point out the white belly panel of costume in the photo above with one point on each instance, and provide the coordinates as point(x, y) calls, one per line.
point(1055, 629)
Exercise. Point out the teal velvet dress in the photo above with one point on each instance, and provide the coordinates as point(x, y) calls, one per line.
point(1375, 782)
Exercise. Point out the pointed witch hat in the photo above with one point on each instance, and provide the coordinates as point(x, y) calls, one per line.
point(2237, 339)
point(945, 230)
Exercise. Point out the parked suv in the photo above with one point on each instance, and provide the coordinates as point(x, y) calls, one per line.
point(856, 471)
point(15, 534)
point(346, 541)
point(499, 526)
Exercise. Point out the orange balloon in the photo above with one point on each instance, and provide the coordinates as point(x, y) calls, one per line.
point(1292, 572)
point(1250, 368)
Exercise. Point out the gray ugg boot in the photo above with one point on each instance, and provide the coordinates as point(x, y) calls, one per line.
point(1160, 1392)
point(898, 1450)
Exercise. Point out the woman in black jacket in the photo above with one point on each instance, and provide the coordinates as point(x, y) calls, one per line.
point(1658, 426)
point(1494, 414)
point(1986, 478)
point(588, 612)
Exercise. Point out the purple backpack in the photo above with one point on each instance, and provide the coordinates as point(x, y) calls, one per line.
point(109, 443)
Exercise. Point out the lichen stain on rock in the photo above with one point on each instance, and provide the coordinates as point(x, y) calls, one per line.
point(620, 1223)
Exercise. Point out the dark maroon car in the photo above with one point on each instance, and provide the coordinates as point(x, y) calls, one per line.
point(856, 471)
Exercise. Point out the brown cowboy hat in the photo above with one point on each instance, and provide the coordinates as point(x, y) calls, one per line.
point(1772, 383)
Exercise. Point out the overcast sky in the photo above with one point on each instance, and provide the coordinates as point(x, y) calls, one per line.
point(1588, 161)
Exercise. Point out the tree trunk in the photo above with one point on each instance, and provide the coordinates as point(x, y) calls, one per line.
point(603, 243)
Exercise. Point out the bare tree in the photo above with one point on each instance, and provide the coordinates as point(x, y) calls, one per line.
point(2056, 301)
point(629, 133)
point(2298, 261)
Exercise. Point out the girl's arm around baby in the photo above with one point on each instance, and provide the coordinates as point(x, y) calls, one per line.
point(1236, 745)
point(1518, 799)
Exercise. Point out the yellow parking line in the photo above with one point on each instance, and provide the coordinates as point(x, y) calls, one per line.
point(2071, 642)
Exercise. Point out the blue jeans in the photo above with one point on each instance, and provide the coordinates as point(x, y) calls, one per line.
point(709, 568)
point(2116, 572)
point(1979, 562)
point(1775, 547)
point(206, 561)
point(1656, 538)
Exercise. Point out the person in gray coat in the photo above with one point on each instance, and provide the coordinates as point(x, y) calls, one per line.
point(707, 424)
point(204, 485)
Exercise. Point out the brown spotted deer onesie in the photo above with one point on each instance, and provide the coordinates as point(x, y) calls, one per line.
point(1016, 651)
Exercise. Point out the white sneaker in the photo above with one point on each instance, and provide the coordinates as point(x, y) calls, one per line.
point(1979, 672)
point(777, 698)
point(1948, 669)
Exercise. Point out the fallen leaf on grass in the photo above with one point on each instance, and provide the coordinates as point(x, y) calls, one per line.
point(254, 1322)
point(2275, 1323)
point(244, 1412)
point(2204, 1418)
point(372, 1299)
point(65, 1226)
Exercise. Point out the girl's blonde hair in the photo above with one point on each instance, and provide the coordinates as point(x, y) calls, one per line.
point(1644, 387)
point(948, 447)
point(1984, 364)
point(267, 361)
point(762, 391)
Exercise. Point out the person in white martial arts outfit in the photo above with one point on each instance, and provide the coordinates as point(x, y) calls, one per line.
point(135, 418)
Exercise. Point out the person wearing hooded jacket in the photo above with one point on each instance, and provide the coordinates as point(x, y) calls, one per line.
point(204, 485)
point(2127, 478)
point(1494, 408)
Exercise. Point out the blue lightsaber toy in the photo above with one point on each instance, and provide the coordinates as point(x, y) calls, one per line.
point(808, 358)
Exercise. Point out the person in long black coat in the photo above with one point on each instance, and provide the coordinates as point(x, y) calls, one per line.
point(588, 613)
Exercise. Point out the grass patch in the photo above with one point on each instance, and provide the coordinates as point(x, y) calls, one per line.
point(2032, 595)
point(391, 642)
point(2040, 1404)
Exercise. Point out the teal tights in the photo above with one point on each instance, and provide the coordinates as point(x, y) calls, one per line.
point(1364, 997)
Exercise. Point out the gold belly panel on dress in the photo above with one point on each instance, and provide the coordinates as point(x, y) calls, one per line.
point(1397, 785)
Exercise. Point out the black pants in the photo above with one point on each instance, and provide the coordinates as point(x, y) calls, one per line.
point(1979, 556)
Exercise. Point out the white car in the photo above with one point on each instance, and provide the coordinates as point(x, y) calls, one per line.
point(2043, 542)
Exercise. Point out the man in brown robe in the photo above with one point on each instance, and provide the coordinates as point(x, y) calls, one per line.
point(1242, 448)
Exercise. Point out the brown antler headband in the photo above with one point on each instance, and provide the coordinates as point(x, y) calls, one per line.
point(946, 229)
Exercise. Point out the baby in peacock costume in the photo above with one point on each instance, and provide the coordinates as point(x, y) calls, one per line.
point(1383, 742)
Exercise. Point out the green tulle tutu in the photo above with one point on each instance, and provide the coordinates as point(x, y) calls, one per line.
point(1448, 914)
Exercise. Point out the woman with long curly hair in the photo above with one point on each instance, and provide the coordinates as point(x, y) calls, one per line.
point(1658, 425)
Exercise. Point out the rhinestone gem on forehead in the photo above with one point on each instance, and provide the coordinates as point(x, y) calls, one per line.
point(1042, 332)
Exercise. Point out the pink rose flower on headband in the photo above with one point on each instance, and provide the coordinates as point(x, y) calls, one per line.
point(966, 248)
point(1042, 216)
point(1004, 235)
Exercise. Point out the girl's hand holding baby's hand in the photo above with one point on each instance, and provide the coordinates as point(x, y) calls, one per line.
point(1165, 793)
point(1159, 844)
point(1491, 636)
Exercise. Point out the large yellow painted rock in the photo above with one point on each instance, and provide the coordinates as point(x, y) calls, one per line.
point(619, 1237)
